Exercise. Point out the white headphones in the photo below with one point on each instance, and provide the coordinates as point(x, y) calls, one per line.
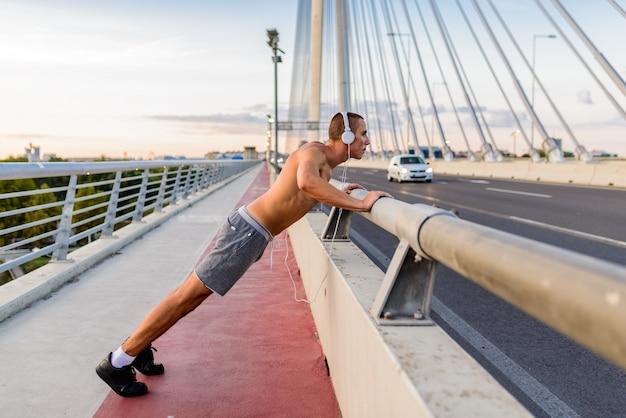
point(347, 137)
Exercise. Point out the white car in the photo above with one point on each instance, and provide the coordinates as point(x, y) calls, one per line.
point(409, 167)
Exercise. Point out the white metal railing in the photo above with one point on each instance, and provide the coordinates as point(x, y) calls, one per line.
point(582, 297)
point(90, 200)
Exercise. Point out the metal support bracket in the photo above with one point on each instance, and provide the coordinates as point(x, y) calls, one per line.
point(337, 226)
point(405, 294)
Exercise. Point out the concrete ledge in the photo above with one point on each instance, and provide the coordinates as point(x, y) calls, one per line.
point(597, 173)
point(28, 289)
point(394, 371)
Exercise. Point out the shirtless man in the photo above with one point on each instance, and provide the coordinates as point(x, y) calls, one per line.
point(302, 183)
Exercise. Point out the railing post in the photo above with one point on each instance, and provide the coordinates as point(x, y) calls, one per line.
point(109, 220)
point(205, 177)
point(404, 295)
point(210, 170)
point(202, 176)
point(196, 179)
point(215, 174)
point(187, 182)
point(211, 174)
point(65, 224)
point(141, 198)
point(337, 226)
point(174, 196)
point(161, 197)
point(219, 172)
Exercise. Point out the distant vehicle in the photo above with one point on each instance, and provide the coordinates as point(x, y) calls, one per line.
point(437, 152)
point(409, 167)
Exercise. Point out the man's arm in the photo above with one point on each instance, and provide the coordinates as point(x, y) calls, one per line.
point(311, 183)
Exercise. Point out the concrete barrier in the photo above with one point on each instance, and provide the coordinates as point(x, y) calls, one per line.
point(610, 175)
point(393, 371)
point(598, 173)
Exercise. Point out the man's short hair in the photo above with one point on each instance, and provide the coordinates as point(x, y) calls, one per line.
point(336, 128)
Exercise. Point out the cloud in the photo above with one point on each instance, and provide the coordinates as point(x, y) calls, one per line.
point(501, 119)
point(258, 108)
point(215, 118)
point(219, 123)
point(584, 96)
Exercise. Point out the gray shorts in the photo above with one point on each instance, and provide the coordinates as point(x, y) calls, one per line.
point(241, 242)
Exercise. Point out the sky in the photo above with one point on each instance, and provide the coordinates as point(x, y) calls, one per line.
point(139, 78)
point(144, 79)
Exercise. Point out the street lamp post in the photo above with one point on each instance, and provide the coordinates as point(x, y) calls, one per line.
point(272, 41)
point(270, 120)
point(514, 135)
point(532, 103)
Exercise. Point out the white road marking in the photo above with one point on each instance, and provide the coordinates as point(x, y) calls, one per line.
point(421, 196)
point(545, 196)
point(475, 181)
point(541, 395)
point(580, 234)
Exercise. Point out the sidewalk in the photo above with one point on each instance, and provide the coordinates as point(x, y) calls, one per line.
point(253, 352)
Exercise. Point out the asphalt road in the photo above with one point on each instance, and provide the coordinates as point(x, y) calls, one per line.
point(550, 374)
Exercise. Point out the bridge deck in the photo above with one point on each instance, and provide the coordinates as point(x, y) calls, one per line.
point(253, 352)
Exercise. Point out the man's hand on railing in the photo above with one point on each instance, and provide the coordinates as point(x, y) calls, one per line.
point(348, 188)
point(370, 198)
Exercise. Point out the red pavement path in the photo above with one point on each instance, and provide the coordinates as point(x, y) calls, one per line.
point(252, 353)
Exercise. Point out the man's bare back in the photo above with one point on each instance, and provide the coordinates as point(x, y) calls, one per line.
point(303, 182)
point(284, 203)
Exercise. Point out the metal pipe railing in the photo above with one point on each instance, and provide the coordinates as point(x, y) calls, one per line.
point(13, 171)
point(94, 207)
point(580, 296)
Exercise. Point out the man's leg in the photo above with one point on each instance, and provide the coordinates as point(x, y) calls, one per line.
point(173, 307)
point(177, 304)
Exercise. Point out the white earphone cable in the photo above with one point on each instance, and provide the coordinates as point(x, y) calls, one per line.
point(330, 251)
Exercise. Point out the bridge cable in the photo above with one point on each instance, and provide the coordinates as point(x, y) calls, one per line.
point(406, 53)
point(539, 83)
point(487, 152)
point(533, 152)
point(582, 60)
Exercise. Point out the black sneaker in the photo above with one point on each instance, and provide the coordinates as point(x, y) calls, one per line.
point(144, 362)
point(122, 381)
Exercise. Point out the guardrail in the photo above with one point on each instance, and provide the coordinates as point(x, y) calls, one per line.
point(582, 297)
point(50, 208)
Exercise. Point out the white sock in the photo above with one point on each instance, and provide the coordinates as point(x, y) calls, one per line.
point(120, 359)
